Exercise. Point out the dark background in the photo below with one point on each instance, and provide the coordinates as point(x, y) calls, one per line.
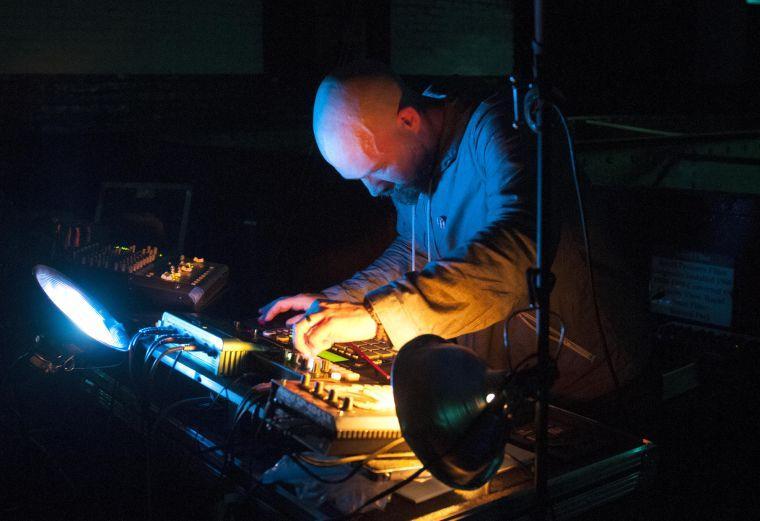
point(229, 112)
point(265, 203)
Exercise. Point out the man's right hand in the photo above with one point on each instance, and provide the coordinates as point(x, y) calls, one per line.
point(300, 302)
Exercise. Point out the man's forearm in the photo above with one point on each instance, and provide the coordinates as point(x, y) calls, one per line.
point(394, 262)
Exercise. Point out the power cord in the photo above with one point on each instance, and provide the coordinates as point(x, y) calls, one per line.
point(586, 243)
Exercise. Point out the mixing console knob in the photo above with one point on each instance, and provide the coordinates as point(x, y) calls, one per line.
point(306, 382)
point(307, 364)
point(332, 397)
point(348, 404)
point(319, 388)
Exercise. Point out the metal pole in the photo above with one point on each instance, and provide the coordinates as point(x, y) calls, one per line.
point(541, 275)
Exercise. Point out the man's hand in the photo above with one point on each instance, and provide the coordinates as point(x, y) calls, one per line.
point(300, 302)
point(326, 323)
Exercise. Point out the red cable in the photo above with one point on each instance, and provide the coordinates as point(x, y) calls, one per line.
point(358, 350)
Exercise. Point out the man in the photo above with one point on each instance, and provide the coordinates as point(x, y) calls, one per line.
point(457, 174)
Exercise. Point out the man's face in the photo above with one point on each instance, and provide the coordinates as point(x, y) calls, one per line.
point(397, 166)
point(390, 159)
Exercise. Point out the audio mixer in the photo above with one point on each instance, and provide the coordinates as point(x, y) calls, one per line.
point(110, 257)
point(174, 283)
point(187, 284)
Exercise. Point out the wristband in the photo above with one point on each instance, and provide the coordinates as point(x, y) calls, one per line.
point(380, 335)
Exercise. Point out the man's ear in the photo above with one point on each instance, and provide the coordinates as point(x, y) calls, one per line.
point(367, 141)
point(409, 119)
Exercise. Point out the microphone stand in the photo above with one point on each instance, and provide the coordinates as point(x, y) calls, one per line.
point(540, 277)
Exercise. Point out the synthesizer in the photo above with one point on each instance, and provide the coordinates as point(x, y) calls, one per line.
point(365, 360)
point(343, 418)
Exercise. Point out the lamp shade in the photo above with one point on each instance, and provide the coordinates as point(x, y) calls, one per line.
point(451, 409)
point(84, 311)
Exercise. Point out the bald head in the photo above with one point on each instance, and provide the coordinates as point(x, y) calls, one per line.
point(368, 130)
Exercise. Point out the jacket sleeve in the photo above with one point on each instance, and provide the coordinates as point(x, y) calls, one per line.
point(484, 279)
point(392, 264)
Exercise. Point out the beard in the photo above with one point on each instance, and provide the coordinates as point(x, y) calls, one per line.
point(409, 193)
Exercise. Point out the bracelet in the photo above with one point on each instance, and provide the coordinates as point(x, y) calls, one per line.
point(380, 334)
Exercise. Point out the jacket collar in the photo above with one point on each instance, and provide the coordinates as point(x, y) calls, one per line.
point(456, 116)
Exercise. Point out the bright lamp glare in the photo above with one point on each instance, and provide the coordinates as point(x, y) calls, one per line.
point(490, 397)
point(80, 310)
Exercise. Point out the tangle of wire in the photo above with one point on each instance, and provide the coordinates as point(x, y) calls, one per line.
point(182, 343)
point(505, 336)
point(249, 399)
point(133, 344)
point(301, 461)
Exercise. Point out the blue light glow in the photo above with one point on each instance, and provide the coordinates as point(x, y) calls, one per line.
point(80, 309)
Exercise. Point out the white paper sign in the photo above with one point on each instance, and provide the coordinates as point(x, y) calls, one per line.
point(693, 286)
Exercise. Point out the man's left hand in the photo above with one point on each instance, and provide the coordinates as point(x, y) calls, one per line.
point(326, 323)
